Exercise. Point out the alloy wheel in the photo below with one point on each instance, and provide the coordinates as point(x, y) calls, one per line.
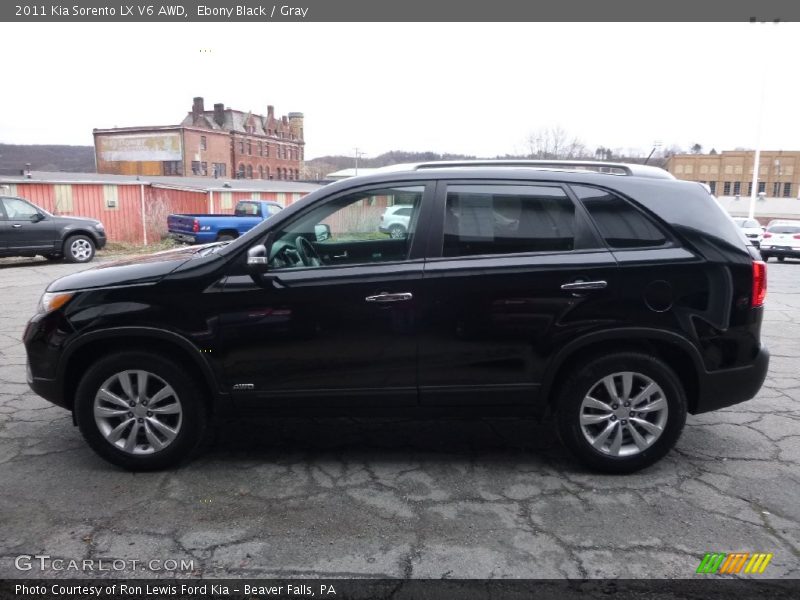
point(138, 412)
point(623, 414)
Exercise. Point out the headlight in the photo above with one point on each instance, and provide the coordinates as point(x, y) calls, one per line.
point(99, 226)
point(51, 301)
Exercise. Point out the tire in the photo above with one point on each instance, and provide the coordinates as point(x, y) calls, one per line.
point(397, 232)
point(225, 237)
point(781, 258)
point(183, 411)
point(574, 400)
point(765, 257)
point(78, 249)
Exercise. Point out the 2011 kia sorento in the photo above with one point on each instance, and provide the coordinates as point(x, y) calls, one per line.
point(611, 296)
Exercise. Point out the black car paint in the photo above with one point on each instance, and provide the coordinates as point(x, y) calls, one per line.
point(486, 332)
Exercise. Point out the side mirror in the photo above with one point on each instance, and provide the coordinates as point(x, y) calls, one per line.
point(257, 257)
point(322, 231)
point(36, 217)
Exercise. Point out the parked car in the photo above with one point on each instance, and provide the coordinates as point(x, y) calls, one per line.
point(610, 302)
point(29, 230)
point(781, 241)
point(751, 228)
point(204, 228)
point(395, 219)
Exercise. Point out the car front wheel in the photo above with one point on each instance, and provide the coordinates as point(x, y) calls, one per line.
point(78, 249)
point(140, 411)
point(397, 232)
point(622, 412)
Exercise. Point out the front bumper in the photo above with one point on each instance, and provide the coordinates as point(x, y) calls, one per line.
point(726, 387)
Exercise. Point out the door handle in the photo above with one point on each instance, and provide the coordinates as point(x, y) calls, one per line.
point(584, 285)
point(16, 225)
point(342, 255)
point(386, 297)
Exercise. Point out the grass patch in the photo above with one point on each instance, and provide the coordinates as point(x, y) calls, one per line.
point(119, 248)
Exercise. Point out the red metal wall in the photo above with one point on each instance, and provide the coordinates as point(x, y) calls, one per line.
point(124, 222)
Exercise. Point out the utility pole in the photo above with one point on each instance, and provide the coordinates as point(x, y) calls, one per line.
point(357, 155)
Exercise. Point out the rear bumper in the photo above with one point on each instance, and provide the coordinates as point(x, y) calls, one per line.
point(184, 238)
point(779, 251)
point(727, 387)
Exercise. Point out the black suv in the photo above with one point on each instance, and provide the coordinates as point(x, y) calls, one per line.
point(28, 230)
point(611, 297)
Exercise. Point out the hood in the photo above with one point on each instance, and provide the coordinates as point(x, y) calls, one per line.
point(136, 270)
point(78, 221)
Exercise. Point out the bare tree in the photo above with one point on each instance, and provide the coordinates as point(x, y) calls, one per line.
point(554, 143)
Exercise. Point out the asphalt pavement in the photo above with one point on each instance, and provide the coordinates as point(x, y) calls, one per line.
point(397, 498)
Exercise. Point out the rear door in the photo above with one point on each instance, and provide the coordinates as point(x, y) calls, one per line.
point(513, 271)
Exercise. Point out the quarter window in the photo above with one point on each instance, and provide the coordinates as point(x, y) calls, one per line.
point(620, 223)
point(507, 220)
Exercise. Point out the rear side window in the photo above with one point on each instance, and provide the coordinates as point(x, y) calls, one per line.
point(620, 224)
point(483, 219)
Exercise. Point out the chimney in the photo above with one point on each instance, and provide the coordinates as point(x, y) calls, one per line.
point(270, 112)
point(197, 108)
point(296, 124)
point(219, 114)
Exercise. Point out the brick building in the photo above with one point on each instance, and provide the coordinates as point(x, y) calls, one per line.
point(730, 173)
point(222, 143)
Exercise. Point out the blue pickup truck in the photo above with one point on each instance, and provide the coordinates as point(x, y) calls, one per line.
point(205, 228)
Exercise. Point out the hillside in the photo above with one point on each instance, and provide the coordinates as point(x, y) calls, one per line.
point(75, 159)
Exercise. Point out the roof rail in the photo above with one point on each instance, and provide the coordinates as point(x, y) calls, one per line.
point(597, 166)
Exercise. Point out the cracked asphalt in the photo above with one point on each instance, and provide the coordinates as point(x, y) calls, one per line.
point(401, 498)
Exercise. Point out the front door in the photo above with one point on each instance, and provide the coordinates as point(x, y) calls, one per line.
point(513, 271)
point(26, 227)
point(333, 320)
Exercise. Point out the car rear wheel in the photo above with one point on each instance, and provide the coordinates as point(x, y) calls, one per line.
point(78, 249)
point(140, 411)
point(225, 237)
point(781, 258)
point(621, 413)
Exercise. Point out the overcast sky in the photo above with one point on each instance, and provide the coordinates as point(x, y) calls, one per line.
point(477, 89)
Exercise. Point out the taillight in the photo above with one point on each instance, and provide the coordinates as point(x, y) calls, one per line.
point(796, 236)
point(759, 283)
point(195, 226)
point(767, 235)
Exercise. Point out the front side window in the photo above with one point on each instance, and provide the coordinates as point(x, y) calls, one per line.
point(619, 222)
point(483, 219)
point(347, 231)
point(18, 210)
